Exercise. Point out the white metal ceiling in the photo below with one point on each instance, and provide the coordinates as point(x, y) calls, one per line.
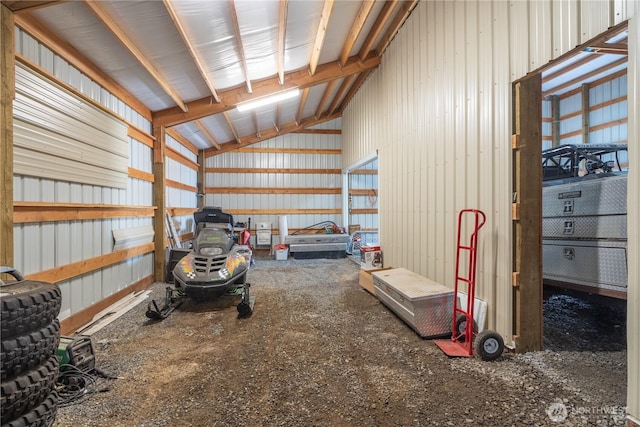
point(192, 50)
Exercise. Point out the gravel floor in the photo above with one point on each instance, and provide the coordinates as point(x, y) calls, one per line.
point(321, 351)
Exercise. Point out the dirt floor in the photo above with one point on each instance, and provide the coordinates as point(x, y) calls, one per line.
point(321, 351)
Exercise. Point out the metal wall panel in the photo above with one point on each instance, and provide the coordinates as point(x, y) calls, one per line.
point(633, 212)
point(283, 160)
point(438, 110)
point(55, 136)
point(42, 246)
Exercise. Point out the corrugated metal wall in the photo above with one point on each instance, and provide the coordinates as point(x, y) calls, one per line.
point(438, 110)
point(633, 224)
point(178, 197)
point(46, 245)
point(279, 153)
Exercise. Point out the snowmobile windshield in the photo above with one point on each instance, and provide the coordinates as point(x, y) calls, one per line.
point(212, 241)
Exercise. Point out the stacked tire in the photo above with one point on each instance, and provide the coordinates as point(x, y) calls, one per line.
point(30, 336)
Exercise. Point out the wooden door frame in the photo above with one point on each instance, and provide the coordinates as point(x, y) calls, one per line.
point(527, 213)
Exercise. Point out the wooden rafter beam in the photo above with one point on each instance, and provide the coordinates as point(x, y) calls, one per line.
point(320, 35)
point(381, 20)
point(276, 124)
point(609, 48)
point(571, 67)
point(344, 87)
point(354, 88)
point(207, 134)
point(583, 77)
point(231, 127)
point(240, 45)
point(122, 37)
point(403, 11)
point(301, 105)
point(282, 32)
point(230, 98)
point(356, 27)
point(173, 133)
point(192, 51)
point(265, 135)
point(325, 97)
point(256, 125)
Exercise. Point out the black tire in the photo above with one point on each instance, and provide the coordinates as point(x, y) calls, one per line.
point(42, 415)
point(25, 392)
point(461, 324)
point(489, 345)
point(27, 306)
point(28, 351)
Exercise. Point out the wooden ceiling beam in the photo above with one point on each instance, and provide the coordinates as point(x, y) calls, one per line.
point(236, 137)
point(583, 77)
point(381, 20)
point(122, 37)
point(265, 135)
point(356, 27)
point(320, 35)
point(609, 48)
point(173, 133)
point(403, 12)
point(302, 104)
point(256, 125)
point(344, 87)
point(207, 135)
point(240, 45)
point(325, 98)
point(278, 119)
point(192, 51)
point(548, 77)
point(356, 85)
point(282, 33)
point(230, 98)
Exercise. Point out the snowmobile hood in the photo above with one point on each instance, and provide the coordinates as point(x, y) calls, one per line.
point(219, 268)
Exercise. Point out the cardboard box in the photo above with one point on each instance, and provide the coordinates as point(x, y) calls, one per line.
point(370, 257)
point(366, 279)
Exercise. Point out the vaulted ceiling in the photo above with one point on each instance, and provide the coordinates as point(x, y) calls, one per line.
point(191, 63)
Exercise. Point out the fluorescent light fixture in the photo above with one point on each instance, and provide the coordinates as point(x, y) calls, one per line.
point(261, 102)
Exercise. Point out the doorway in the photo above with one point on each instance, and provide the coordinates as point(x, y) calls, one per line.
point(577, 101)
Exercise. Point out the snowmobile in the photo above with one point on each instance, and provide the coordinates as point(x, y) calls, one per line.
point(215, 267)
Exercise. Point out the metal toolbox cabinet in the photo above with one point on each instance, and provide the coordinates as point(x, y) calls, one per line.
point(585, 227)
point(596, 196)
point(589, 263)
point(425, 305)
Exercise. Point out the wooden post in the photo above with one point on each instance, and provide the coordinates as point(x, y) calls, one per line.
point(7, 94)
point(527, 227)
point(159, 200)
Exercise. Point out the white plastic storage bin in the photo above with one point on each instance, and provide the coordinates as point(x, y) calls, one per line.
point(282, 254)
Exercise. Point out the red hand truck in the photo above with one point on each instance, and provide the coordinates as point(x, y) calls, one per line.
point(489, 345)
